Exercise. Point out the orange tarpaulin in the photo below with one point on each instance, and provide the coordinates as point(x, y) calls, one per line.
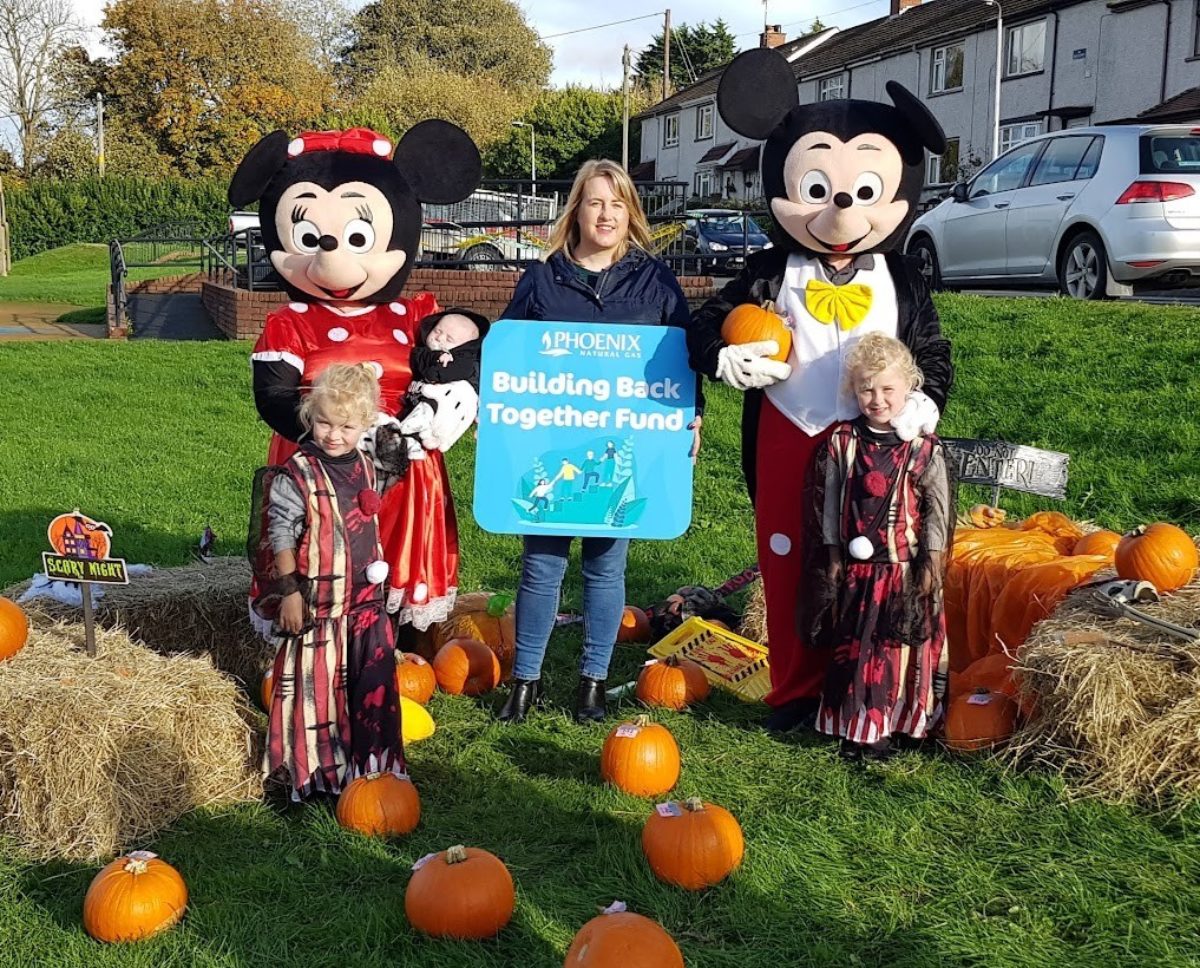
point(1034, 593)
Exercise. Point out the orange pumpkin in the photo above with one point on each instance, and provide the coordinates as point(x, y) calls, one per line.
point(635, 626)
point(992, 672)
point(1098, 543)
point(463, 892)
point(979, 720)
point(641, 758)
point(486, 618)
point(1161, 554)
point(14, 628)
point(672, 683)
point(415, 678)
point(266, 689)
point(749, 323)
point(692, 845)
point(466, 667)
point(134, 897)
point(623, 940)
point(379, 805)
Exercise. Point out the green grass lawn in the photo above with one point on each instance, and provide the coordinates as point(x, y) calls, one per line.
point(926, 861)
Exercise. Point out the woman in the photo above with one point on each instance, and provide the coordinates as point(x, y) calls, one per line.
point(598, 270)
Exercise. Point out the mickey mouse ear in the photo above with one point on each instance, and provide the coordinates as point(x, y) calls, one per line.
point(256, 170)
point(440, 161)
point(924, 125)
point(756, 92)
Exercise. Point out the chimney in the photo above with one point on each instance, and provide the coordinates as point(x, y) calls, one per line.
point(899, 6)
point(772, 37)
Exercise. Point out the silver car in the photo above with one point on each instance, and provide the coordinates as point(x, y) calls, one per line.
point(1091, 210)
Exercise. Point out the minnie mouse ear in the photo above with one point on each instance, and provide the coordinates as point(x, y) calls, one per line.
point(440, 161)
point(261, 164)
point(756, 92)
point(924, 125)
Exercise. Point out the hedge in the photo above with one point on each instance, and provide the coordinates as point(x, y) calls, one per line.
point(48, 213)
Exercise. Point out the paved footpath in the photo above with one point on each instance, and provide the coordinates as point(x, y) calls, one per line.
point(30, 321)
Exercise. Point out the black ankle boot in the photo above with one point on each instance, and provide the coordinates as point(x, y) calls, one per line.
point(589, 701)
point(524, 694)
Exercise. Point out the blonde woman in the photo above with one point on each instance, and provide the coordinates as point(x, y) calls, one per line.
point(598, 269)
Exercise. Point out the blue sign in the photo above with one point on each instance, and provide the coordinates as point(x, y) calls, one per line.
point(583, 430)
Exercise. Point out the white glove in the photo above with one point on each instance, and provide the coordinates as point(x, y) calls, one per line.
point(395, 599)
point(750, 367)
point(366, 443)
point(919, 416)
point(457, 407)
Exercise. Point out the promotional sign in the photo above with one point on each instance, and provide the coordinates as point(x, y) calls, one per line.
point(583, 430)
point(81, 548)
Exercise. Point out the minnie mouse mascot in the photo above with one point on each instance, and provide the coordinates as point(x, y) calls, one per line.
point(341, 219)
point(842, 179)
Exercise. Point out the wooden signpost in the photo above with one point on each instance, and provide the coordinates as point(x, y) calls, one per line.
point(81, 554)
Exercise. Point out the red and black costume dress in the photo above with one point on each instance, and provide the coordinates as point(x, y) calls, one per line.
point(416, 521)
point(335, 708)
point(893, 500)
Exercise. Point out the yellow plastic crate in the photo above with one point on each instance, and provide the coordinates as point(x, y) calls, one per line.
point(729, 661)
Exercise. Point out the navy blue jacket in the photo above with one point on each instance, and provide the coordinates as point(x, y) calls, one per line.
point(637, 289)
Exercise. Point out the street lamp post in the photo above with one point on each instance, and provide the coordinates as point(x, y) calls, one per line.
point(532, 152)
point(999, 76)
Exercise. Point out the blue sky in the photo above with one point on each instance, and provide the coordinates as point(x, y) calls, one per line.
point(594, 57)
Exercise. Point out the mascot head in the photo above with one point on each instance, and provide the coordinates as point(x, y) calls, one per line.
point(841, 177)
point(341, 217)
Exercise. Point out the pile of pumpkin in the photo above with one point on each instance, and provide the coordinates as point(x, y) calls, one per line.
point(1004, 578)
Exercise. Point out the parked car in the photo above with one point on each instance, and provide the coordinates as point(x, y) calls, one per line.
point(1090, 210)
point(722, 238)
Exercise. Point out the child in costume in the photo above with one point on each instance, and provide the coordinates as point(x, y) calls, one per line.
point(335, 711)
point(884, 510)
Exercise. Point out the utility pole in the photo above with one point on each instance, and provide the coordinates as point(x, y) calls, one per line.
point(625, 109)
point(100, 133)
point(667, 54)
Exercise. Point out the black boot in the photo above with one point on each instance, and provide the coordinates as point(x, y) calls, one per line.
point(799, 713)
point(589, 701)
point(524, 694)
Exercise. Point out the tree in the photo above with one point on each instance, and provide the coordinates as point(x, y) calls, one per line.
point(33, 34)
point(695, 51)
point(815, 28)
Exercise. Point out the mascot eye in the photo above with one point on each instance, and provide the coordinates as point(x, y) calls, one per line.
point(814, 187)
point(306, 236)
point(359, 236)
point(868, 188)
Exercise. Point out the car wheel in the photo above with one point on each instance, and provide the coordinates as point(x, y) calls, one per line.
point(484, 257)
point(1083, 268)
point(922, 250)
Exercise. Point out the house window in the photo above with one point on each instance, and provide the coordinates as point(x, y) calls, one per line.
point(703, 184)
point(1012, 135)
point(943, 169)
point(831, 88)
point(704, 122)
point(1026, 49)
point(946, 72)
point(670, 130)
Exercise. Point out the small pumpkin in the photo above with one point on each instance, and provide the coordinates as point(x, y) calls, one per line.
point(979, 720)
point(415, 722)
point(415, 678)
point(463, 892)
point(672, 683)
point(1098, 543)
point(692, 844)
point(986, 516)
point(749, 323)
point(134, 897)
point(14, 628)
point(635, 625)
point(623, 939)
point(379, 805)
point(641, 758)
point(266, 689)
point(487, 618)
point(1161, 554)
point(992, 672)
point(466, 667)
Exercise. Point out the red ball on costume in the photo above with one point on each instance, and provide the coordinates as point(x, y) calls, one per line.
point(368, 502)
point(876, 484)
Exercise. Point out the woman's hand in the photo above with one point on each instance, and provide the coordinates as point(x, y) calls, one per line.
point(291, 613)
point(694, 427)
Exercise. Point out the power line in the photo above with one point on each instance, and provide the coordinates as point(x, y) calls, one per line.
point(613, 23)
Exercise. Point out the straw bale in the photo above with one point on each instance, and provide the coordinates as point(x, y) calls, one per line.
point(97, 755)
point(754, 617)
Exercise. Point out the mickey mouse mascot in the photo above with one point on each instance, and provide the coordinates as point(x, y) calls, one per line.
point(341, 220)
point(842, 179)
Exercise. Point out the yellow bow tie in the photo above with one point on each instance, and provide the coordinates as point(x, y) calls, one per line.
point(847, 304)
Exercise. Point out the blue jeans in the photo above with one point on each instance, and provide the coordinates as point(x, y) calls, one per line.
point(543, 566)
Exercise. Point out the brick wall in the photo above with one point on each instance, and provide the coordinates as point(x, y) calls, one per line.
point(191, 282)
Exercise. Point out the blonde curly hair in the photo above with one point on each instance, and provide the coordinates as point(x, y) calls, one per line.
point(873, 354)
point(350, 391)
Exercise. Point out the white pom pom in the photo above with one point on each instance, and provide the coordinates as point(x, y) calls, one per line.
point(861, 548)
point(377, 572)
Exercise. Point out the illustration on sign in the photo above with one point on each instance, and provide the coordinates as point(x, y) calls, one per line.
point(584, 430)
point(81, 551)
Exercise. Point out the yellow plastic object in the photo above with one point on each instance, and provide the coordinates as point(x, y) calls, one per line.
point(729, 661)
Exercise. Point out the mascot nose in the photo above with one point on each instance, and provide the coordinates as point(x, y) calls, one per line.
point(329, 242)
point(841, 200)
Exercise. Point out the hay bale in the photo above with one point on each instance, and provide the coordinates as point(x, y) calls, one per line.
point(754, 618)
point(97, 755)
point(1114, 703)
point(199, 608)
